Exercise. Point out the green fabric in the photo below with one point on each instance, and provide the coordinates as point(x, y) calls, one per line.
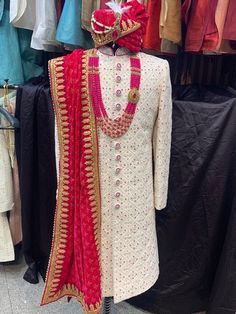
point(18, 62)
point(69, 29)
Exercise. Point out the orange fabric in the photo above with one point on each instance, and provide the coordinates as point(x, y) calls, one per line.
point(230, 22)
point(15, 214)
point(211, 36)
point(202, 33)
point(152, 38)
point(170, 20)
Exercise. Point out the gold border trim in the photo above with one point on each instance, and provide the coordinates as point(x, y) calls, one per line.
point(91, 150)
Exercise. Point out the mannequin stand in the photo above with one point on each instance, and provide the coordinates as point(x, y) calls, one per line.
point(107, 305)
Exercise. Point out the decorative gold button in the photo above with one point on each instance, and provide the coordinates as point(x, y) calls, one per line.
point(133, 95)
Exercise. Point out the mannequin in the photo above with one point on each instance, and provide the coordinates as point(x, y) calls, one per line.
point(110, 130)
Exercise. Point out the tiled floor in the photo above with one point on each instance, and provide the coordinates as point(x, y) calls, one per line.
point(19, 297)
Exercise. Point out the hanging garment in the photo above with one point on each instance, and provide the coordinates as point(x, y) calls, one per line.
point(152, 37)
point(230, 23)
point(168, 47)
point(196, 231)
point(201, 29)
point(69, 29)
point(8, 102)
point(6, 246)
point(6, 201)
point(220, 18)
point(88, 6)
point(36, 161)
point(23, 13)
point(59, 7)
point(211, 33)
point(186, 10)
point(170, 21)
point(6, 198)
point(129, 252)
point(38, 16)
point(9, 69)
point(15, 214)
point(44, 31)
point(20, 62)
point(15, 221)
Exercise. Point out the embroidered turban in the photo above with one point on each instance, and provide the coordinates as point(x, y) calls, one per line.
point(124, 24)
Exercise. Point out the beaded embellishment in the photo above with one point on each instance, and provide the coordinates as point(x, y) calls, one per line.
point(119, 126)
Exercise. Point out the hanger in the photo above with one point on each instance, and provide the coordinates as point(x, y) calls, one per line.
point(13, 122)
point(8, 86)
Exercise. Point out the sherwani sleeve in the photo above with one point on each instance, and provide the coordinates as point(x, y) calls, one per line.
point(162, 141)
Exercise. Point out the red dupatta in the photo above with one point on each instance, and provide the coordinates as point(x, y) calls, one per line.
point(74, 266)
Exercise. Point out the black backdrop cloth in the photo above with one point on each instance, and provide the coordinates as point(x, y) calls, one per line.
point(35, 150)
point(197, 231)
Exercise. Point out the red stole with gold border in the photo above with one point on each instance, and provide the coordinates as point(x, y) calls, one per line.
point(74, 266)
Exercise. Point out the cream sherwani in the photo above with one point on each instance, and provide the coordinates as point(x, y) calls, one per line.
point(131, 188)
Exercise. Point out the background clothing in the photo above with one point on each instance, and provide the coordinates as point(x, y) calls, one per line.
point(170, 20)
point(6, 201)
point(23, 13)
point(196, 232)
point(20, 63)
point(88, 6)
point(36, 161)
point(152, 37)
point(44, 31)
point(69, 30)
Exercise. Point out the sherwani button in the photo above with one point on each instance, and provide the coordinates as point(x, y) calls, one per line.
point(118, 66)
point(117, 194)
point(118, 79)
point(118, 157)
point(117, 182)
point(117, 146)
point(118, 93)
point(118, 107)
point(118, 170)
point(117, 206)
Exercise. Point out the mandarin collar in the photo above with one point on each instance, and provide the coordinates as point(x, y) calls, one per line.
point(121, 51)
